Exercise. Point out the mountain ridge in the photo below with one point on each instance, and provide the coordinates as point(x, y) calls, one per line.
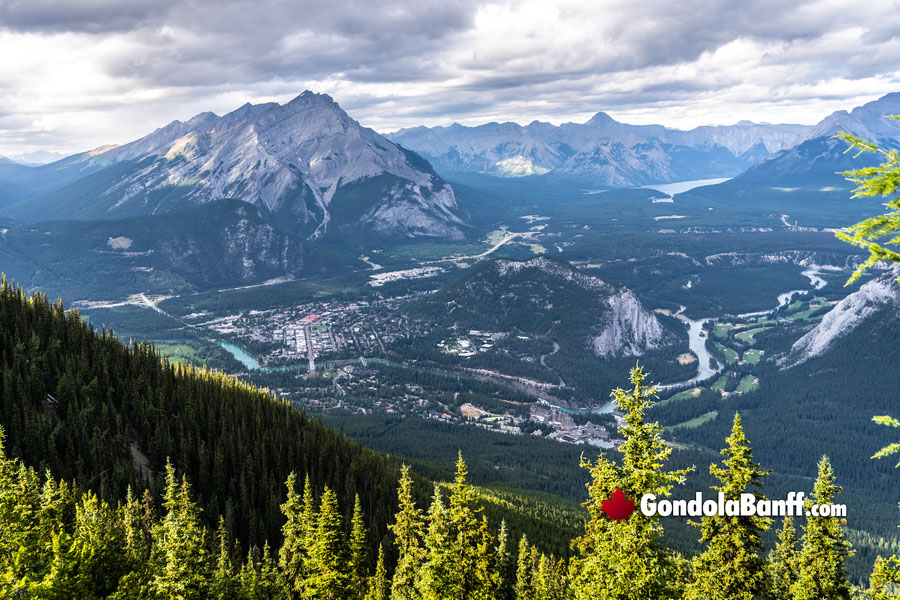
point(291, 160)
point(601, 150)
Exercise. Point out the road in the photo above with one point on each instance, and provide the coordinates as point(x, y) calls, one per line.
point(506, 239)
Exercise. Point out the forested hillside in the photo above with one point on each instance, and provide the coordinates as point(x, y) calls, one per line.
point(163, 481)
point(88, 408)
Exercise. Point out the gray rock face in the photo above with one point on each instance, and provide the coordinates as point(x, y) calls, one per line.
point(290, 161)
point(871, 299)
point(602, 150)
point(618, 324)
point(629, 329)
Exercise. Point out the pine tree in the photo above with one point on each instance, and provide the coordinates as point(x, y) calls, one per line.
point(503, 567)
point(267, 586)
point(783, 564)
point(488, 579)
point(97, 549)
point(434, 581)
point(524, 588)
point(223, 587)
point(180, 545)
point(884, 583)
point(821, 574)
point(732, 565)
point(407, 529)
point(359, 554)
point(329, 564)
point(464, 531)
point(378, 586)
point(292, 556)
point(624, 559)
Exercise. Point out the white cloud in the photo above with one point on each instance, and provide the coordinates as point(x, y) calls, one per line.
point(92, 72)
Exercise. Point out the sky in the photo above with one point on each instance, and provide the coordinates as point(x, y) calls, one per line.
point(77, 74)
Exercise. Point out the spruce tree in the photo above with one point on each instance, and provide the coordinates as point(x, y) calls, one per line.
point(359, 552)
point(524, 588)
point(502, 566)
point(822, 573)
point(434, 582)
point(624, 559)
point(732, 565)
point(784, 563)
point(329, 561)
point(223, 587)
point(180, 548)
point(884, 583)
point(379, 587)
point(292, 556)
point(488, 579)
point(463, 576)
point(407, 530)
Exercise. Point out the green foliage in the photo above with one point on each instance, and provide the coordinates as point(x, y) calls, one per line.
point(379, 587)
point(80, 403)
point(784, 564)
point(625, 559)
point(732, 566)
point(407, 529)
point(881, 180)
point(890, 448)
point(822, 574)
point(885, 581)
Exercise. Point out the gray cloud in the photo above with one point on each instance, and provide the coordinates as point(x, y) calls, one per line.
point(132, 65)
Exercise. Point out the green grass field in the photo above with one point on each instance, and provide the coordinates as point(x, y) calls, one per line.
point(719, 385)
point(731, 356)
point(721, 330)
point(697, 421)
point(752, 356)
point(748, 384)
point(747, 336)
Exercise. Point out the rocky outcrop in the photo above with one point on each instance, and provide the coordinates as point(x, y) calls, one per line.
point(294, 162)
point(874, 298)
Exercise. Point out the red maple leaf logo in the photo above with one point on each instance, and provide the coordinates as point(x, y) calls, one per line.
point(617, 509)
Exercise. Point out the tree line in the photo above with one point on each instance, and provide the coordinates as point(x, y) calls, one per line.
point(61, 542)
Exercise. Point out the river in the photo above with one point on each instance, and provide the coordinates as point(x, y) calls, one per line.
point(248, 361)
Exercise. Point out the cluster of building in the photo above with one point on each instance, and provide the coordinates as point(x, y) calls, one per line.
point(566, 430)
point(476, 341)
point(319, 329)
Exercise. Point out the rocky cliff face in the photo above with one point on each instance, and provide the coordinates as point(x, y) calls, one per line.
point(876, 299)
point(549, 297)
point(628, 329)
point(291, 161)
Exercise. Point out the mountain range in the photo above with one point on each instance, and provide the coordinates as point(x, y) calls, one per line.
point(602, 151)
point(818, 157)
point(306, 165)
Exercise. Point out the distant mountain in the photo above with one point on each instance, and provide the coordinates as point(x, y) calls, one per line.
point(36, 158)
point(601, 151)
point(219, 244)
point(6, 161)
point(876, 301)
point(817, 158)
point(549, 297)
point(306, 166)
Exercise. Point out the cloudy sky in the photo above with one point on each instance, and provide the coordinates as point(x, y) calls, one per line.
point(76, 74)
